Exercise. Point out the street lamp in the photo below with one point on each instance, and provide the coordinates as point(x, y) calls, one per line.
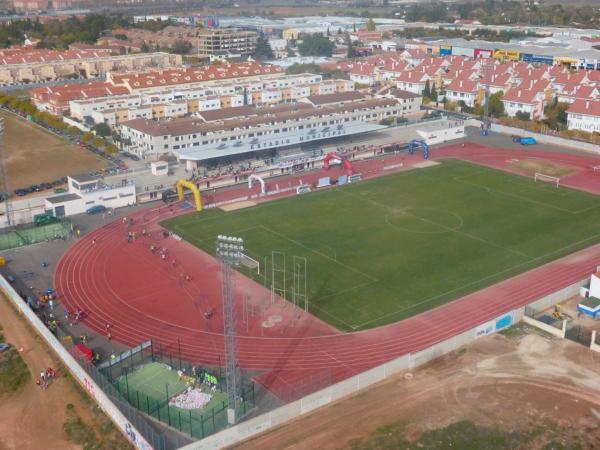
point(230, 251)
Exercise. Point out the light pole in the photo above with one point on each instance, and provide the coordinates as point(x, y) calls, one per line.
point(230, 251)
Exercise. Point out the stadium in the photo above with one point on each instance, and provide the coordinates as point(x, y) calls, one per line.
point(337, 281)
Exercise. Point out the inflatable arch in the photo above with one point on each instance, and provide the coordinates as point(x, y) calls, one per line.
point(418, 143)
point(192, 187)
point(253, 177)
point(336, 156)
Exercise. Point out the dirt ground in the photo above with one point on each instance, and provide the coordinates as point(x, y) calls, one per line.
point(528, 383)
point(34, 155)
point(33, 418)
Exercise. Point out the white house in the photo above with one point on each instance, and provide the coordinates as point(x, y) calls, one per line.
point(463, 90)
point(85, 192)
point(412, 81)
point(584, 115)
point(523, 101)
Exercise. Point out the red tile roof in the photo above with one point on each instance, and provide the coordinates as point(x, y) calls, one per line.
point(585, 107)
point(192, 75)
point(518, 95)
point(467, 86)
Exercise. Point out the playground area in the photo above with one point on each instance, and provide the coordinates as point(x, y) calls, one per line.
point(288, 346)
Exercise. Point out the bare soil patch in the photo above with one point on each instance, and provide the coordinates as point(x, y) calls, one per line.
point(237, 205)
point(34, 155)
point(34, 418)
point(527, 390)
point(531, 166)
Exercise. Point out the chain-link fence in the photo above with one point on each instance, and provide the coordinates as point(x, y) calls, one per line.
point(24, 235)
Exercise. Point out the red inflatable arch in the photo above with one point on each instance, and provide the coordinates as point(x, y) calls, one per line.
point(333, 155)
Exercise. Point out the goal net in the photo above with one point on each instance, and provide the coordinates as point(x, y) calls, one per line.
point(250, 263)
point(547, 178)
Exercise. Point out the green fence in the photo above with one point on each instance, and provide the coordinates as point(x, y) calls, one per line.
point(30, 234)
point(149, 379)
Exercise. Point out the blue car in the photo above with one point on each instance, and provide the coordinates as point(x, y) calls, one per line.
point(4, 347)
point(528, 141)
point(96, 209)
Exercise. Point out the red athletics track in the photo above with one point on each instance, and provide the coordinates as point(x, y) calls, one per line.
point(144, 297)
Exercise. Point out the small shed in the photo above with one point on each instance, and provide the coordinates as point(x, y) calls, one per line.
point(589, 306)
point(159, 168)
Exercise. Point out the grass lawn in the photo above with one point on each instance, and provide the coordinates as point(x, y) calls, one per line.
point(388, 248)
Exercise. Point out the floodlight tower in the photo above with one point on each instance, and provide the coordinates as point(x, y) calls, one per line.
point(230, 251)
point(4, 175)
point(487, 70)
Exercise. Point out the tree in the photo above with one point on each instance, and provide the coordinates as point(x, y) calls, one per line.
point(316, 45)
point(144, 47)
point(427, 90)
point(433, 94)
point(73, 131)
point(98, 142)
point(112, 149)
point(371, 25)
point(351, 53)
point(87, 136)
point(102, 129)
point(263, 48)
point(522, 115)
point(496, 107)
point(181, 47)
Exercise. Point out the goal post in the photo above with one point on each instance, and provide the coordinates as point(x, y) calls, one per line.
point(251, 263)
point(547, 178)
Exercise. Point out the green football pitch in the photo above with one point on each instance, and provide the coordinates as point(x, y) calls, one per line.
point(386, 249)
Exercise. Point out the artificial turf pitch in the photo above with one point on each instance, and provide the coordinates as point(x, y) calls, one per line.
point(386, 249)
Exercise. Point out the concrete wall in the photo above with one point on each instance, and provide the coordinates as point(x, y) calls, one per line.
point(546, 139)
point(547, 328)
point(75, 369)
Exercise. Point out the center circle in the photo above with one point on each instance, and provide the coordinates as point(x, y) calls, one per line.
point(422, 220)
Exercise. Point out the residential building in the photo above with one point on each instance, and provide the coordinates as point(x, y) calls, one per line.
point(40, 67)
point(465, 90)
point(202, 96)
point(584, 115)
point(522, 101)
point(225, 40)
point(246, 129)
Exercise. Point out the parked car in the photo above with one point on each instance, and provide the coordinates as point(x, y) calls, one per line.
point(44, 219)
point(97, 209)
point(4, 346)
point(524, 140)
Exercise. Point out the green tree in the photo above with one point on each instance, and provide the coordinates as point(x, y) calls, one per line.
point(427, 90)
point(522, 115)
point(263, 48)
point(496, 107)
point(351, 53)
point(102, 129)
point(316, 45)
point(433, 93)
point(371, 25)
point(181, 47)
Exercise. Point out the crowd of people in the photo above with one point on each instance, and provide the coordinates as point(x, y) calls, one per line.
point(46, 377)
